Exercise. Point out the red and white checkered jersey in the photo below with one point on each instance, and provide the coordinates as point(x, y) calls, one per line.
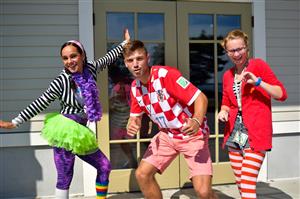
point(167, 99)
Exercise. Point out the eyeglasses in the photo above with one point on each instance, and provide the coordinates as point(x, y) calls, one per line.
point(238, 50)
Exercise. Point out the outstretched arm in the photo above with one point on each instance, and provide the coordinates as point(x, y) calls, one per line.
point(37, 106)
point(112, 55)
point(7, 125)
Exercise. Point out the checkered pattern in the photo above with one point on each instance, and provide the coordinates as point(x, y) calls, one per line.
point(167, 99)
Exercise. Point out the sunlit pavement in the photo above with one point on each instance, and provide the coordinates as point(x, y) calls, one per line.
point(281, 189)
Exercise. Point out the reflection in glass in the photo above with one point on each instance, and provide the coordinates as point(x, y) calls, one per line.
point(201, 26)
point(223, 153)
point(202, 75)
point(156, 52)
point(212, 149)
point(226, 23)
point(224, 64)
point(123, 156)
point(148, 128)
point(144, 146)
point(150, 26)
point(116, 22)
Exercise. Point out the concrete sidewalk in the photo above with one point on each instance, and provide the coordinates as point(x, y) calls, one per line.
point(281, 189)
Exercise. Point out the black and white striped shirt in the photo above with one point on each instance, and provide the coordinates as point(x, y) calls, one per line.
point(60, 88)
point(237, 92)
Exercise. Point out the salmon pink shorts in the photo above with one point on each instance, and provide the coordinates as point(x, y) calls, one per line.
point(163, 150)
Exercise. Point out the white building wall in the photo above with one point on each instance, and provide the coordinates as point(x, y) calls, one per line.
point(31, 34)
point(283, 52)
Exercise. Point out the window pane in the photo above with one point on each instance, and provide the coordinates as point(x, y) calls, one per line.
point(224, 64)
point(157, 53)
point(151, 27)
point(117, 22)
point(123, 156)
point(201, 27)
point(223, 153)
point(143, 148)
point(202, 76)
point(226, 23)
point(212, 149)
point(148, 128)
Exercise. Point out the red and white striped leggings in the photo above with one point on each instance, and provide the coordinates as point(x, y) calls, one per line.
point(246, 165)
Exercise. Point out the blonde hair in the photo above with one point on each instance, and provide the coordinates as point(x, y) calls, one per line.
point(235, 34)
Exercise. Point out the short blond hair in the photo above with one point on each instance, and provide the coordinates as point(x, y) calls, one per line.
point(235, 34)
point(132, 46)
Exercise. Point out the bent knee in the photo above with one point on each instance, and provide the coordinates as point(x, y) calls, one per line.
point(204, 192)
point(140, 174)
point(105, 168)
point(145, 172)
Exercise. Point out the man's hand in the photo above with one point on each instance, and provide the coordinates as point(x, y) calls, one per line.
point(191, 126)
point(7, 125)
point(133, 126)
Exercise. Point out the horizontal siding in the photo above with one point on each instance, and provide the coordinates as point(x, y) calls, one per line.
point(283, 50)
point(286, 51)
point(36, 40)
point(288, 24)
point(289, 42)
point(286, 5)
point(282, 33)
point(286, 70)
point(42, 20)
point(286, 116)
point(21, 94)
point(39, 30)
point(26, 62)
point(31, 34)
point(39, 8)
point(41, 51)
point(31, 73)
point(291, 61)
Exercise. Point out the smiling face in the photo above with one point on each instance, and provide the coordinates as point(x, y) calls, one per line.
point(236, 46)
point(237, 51)
point(72, 59)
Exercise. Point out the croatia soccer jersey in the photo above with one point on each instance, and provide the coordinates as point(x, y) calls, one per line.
point(167, 99)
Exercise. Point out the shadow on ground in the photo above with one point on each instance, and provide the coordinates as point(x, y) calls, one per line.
point(264, 190)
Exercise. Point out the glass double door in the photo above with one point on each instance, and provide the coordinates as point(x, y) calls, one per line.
point(185, 35)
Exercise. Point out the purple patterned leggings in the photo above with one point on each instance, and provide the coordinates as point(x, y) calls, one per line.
point(64, 162)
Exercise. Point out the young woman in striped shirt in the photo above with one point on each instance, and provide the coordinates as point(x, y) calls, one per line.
point(246, 108)
point(77, 92)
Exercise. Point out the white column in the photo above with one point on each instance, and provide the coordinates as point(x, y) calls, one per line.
point(86, 37)
point(259, 49)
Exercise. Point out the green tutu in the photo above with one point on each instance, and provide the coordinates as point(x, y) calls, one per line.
point(65, 133)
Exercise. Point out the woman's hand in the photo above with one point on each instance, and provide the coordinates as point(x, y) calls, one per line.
point(126, 35)
point(7, 125)
point(249, 77)
point(223, 116)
